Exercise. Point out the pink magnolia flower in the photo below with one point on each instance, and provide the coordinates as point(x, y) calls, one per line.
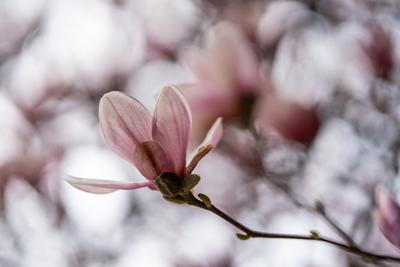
point(156, 144)
point(287, 118)
point(387, 216)
point(228, 76)
point(378, 48)
point(227, 63)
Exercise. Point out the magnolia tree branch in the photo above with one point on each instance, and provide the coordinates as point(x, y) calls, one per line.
point(350, 245)
point(205, 203)
point(317, 209)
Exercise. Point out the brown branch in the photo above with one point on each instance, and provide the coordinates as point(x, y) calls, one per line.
point(250, 233)
point(317, 209)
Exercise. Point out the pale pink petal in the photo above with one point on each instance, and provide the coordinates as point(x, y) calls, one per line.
point(217, 64)
point(289, 119)
point(151, 160)
point(214, 135)
point(387, 206)
point(211, 140)
point(125, 123)
point(247, 73)
point(171, 126)
point(97, 186)
point(387, 216)
point(209, 101)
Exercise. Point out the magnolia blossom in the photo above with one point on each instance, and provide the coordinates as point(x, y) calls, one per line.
point(387, 216)
point(287, 118)
point(378, 48)
point(227, 73)
point(227, 62)
point(279, 19)
point(156, 144)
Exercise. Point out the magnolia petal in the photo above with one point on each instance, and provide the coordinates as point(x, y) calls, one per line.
point(211, 140)
point(171, 126)
point(201, 152)
point(387, 216)
point(229, 46)
point(214, 135)
point(97, 186)
point(151, 160)
point(125, 123)
point(216, 64)
point(386, 204)
point(209, 101)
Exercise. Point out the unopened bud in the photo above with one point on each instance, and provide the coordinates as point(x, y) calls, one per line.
point(319, 206)
point(206, 200)
point(243, 236)
point(315, 235)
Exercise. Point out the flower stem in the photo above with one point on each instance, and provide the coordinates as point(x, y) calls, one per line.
point(250, 233)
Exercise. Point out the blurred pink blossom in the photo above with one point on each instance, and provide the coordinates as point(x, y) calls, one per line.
point(379, 48)
point(287, 118)
point(227, 62)
point(228, 75)
point(387, 216)
point(154, 144)
point(280, 18)
point(246, 17)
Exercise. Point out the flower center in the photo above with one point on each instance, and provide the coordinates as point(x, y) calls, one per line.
point(173, 186)
point(169, 184)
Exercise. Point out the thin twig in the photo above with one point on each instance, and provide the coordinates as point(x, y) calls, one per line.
point(313, 209)
point(336, 227)
point(250, 233)
point(320, 210)
point(351, 246)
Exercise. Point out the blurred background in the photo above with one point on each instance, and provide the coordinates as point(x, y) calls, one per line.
point(309, 92)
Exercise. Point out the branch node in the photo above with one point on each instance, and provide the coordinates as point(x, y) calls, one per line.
point(206, 200)
point(243, 236)
point(315, 235)
point(319, 207)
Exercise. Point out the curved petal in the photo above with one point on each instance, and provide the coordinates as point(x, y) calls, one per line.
point(171, 126)
point(211, 140)
point(214, 135)
point(216, 64)
point(387, 215)
point(97, 186)
point(151, 160)
point(208, 100)
point(125, 123)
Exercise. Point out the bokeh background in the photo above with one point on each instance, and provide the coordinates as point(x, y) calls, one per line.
point(309, 92)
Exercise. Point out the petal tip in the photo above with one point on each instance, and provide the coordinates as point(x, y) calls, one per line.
point(110, 95)
point(125, 122)
point(88, 185)
point(172, 122)
point(171, 89)
point(215, 133)
point(97, 186)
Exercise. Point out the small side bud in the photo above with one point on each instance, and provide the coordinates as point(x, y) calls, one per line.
point(319, 206)
point(369, 258)
point(243, 236)
point(206, 200)
point(315, 235)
